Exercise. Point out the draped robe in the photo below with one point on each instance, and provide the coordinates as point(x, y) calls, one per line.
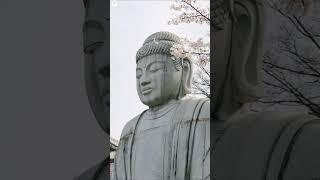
point(185, 153)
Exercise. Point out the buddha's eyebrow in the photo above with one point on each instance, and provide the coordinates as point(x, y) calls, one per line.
point(152, 63)
point(155, 62)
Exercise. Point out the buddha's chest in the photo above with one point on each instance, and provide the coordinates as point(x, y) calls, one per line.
point(150, 150)
point(148, 153)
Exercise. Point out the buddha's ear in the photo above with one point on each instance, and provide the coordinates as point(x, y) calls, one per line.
point(246, 52)
point(187, 76)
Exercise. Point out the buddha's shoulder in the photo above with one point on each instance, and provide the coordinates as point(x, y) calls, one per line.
point(129, 127)
point(202, 103)
point(205, 111)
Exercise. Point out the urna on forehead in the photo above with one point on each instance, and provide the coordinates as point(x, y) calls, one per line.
point(158, 43)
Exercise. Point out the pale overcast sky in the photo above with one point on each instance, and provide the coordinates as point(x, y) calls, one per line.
point(131, 23)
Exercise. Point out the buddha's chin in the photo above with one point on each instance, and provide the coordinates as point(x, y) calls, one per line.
point(152, 101)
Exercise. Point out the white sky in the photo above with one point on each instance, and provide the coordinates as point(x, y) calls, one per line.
point(131, 23)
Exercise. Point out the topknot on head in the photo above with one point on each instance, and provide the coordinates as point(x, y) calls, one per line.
point(162, 36)
point(158, 43)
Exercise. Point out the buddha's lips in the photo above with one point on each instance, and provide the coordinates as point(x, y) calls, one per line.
point(146, 91)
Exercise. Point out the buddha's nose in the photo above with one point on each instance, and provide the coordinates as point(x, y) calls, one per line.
point(144, 80)
point(144, 83)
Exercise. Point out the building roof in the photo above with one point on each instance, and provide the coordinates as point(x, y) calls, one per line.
point(113, 144)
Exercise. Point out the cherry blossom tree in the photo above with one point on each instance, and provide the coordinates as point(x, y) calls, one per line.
point(191, 11)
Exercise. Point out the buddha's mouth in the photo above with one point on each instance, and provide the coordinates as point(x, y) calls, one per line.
point(146, 91)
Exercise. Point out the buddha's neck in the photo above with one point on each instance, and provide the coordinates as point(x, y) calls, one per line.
point(162, 106)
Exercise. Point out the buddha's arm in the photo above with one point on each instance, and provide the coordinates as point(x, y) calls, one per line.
point(119, 171)
point(206, 157)
point(200, 166)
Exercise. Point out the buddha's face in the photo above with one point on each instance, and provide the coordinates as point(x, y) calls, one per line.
point(158, 81)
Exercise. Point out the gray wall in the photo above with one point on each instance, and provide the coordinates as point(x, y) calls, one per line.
point(47, 130)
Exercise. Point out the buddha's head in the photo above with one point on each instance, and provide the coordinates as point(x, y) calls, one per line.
point(160, 76)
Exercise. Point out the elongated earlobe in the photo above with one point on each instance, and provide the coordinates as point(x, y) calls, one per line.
point(187, 77)
point(247, 51)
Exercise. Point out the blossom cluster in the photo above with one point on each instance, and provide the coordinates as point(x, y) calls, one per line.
point(189, 11)
point(179, 51)
point(198, 51)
